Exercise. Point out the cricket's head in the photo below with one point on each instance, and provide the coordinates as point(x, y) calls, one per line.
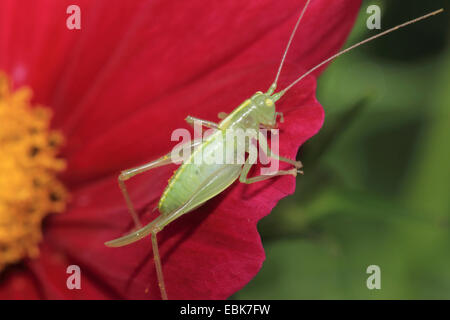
point(264, 105)
point(265, 110)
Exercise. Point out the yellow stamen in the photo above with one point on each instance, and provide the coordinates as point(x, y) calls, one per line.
point(29, 189)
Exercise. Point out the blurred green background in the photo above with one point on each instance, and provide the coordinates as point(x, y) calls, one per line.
point(376, 189)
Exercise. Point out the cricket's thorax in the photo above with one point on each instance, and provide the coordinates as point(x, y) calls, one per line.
point(259, 109)
point(242, 117)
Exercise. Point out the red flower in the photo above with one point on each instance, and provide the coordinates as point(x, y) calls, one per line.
point(118, 88)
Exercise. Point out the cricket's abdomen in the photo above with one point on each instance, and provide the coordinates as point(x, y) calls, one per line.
point(192, 175)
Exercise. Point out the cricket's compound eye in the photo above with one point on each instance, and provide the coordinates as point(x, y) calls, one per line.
point(259, 99)
point(269, 102)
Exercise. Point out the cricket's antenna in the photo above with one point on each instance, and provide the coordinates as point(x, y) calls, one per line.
point(274, 85)
point(357, 45)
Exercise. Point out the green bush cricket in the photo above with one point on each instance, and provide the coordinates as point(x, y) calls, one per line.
point(193, 184)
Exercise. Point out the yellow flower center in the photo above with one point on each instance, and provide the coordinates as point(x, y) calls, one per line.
point(29, 189)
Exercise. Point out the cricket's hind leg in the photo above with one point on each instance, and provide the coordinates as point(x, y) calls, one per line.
point(158, 267)
point(129, 173)
point(150, 229)
point(154, 227)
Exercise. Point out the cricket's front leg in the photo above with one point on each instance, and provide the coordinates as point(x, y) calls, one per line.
point(205, 123)
point(264, 146)
point(222, 115)
point(247, 166)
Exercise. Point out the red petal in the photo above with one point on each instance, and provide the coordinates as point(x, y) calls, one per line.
point(35, 44)
point(45, 278)
point(19, 283)
point(50, 271)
